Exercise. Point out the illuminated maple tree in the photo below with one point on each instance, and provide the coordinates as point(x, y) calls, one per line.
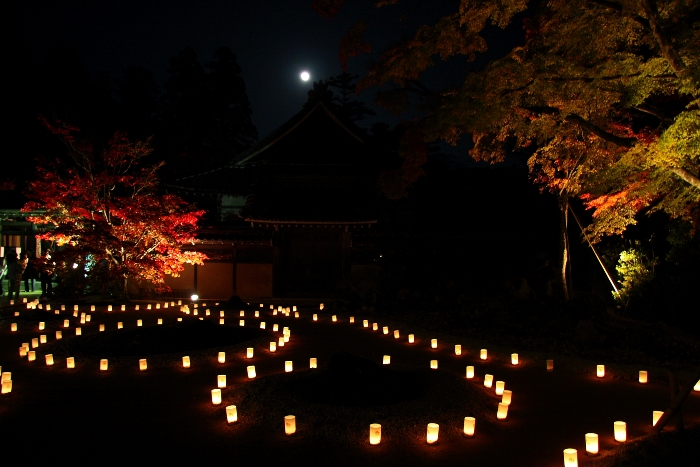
point(603, 95)
point(104, 207)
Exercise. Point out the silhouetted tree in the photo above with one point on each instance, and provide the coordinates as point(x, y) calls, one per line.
point(344, 89)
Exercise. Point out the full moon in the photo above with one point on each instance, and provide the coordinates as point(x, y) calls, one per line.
point(305, 75)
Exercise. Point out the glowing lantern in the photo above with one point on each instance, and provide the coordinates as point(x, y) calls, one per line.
point(294, 308)
point(78, 331)
point(385, 329)
point(296, 314)
point(63, 307)
point(285, 338)
point(136, 307)
point(500, 386)
point(320, 306)
point(290, 425)
point(185, 362)
point(216, 396)
point(222, 357)
point(352, 319)
point(148, 307)
point(396, 334)
point(102, 327)
point(507, 397)
point(59, 335)
point(242, 313)
point(470, 372)
point(502, 411)
point(600, 371)
point(49, 359)
point(620, 431)
point(82, 318)
point(334, 318)
point(231, 414)
point(160, 320)
point(120, 325)
point(123, 307)
point(550, 365)
point(5, 376)
point(70, 362)
point(273, 346)
point(241, 322)
point(643, 375)
point(458, 349)
point(142, 364)
point(591, 444)
point(312, 363)
point(195, 312)
point(697, 386)
point(221, 381)
point(42, 338)
point(23, 351)
point(104, 364)
point(31, 356)
point(280, 342)
point(262, 325)
point(139, 322)
point(375, 326)
point(469, 426)
point(158, 306)
point(275, 327)
point(251, 371)
point(66, 323)
point(221, 321)
point(433, 343)
point(13, 327)
point(315, 317)
point(483, 354)
point(48, 306)
point(257, 314)
point(375, 433)
point(488, 380)
point(6, 387)
point(75, 307)
point(179, 319)
point(109, 307)
point(42, 325)
point(411, 339)
point(179, 302)
point(249, 352)
point(35, 343)
point(288, 366)
point(387, 359)
point(655, 416)
point(433, 429)
point(570, 458)
point(433, 364)
point(514, 358)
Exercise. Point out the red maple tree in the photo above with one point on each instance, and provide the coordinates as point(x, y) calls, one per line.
point(105, 209)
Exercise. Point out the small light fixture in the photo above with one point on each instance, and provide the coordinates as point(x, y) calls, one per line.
point(433, 364)
point(194, 297)
point(433, 343)
point(31, 355)
point(70, 362)
point(262, 324)
point(591, 444)
point(334, 318)
point(160, 321)
point(104, 364)
point(375, 326)
point(42, 338)
point(102, 327)
point(396, 334)
point(507, 396)
point(470, 372)
point(469, 426)
point(514, 358)
point(288, 366)
point(502, 411)
point(433, 430)
point(483, 354)
point(643, 376)
point(78, 331)
point(375, 433)
point(488, 380)
point(185, 362)
point(655, 416)
point(49, 359)
point(221, 381)
point(241, 322)
point(385, 329)
point(600, 371)
point(59, 335)
point(42, 325)
point(139, 322)
point(13, 327)
point(500, 386)
point(120, 325)
point(620, 431)
point(273, 346)
point(386, 360)
point(216, 396)
point(251, 371)
point(458, 349)
point(550, 365)
point(352, 319)
point(570, 458)
point(313, 363)
point(411, 339)
point(222, 357)
point(365, 323)
point(290, 423)
point(249, 352)
point(231, 414)
point(315, 317)
point(142, 364)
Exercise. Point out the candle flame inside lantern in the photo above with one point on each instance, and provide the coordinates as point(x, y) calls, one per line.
point(655, 416)
point(386, 360)
point(411, 339)
point(262, 325)
point(469, 426)
point(221, 381)
point(241, 322)
point(216, 396)
point(432, 436)
point(507, 397)
point(375, 433)
point(273, 346)
point(385, 329)
point(160, 320)
point(483, 354)
point(31, 355)
point(42, 325)
point(352, 319)
point(514, 359)
point(600, 371)
point(78, 331)
point(59, 335)
point(185, 362)
point(643, 376)
point(315, 317)
point(375, 326)
point(433, 364)
point(470, 372)
point(109, 307)
point(257, 314)
point(502, 411)
point(550, 365)
point(592, 443)
point(6, 387)
point(142, 364)
point(290, 425)
point(334, 318)
point(139, 322)
point(13, 327)
point(42, 338)
point(49, 359)
point(249, 352)
point(570, 458)
point(222, 357)
point(312, 362)
point(365, 323)
point(620, 431)
point(488, 380)
point(251, 371)
point(104, 364)
point(288, 366)
point(66, 323)
point(231, 414)
point(296, 314)
point(120, 325)
point(102, 327)
point(433, 343)
point(70, 362)
point(500, 386)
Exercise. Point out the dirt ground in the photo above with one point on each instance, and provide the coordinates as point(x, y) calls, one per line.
point(165, 414)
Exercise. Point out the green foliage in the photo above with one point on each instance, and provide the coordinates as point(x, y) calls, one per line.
point(635, 270)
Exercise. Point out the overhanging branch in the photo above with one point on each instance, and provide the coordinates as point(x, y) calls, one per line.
point(599, 132)
point(687, 176)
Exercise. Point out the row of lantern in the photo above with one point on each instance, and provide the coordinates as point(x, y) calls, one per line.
point(5, 382)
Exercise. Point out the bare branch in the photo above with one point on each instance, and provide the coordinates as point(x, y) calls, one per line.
point(687, 176)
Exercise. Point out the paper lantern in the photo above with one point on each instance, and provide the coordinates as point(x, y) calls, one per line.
point(458, 349)
point(500, 386)
point(257, 314)
point(88, 318)
point(75, 307)
point(102, 327)
point(275, 328)
point(285, 338)
point(139, 322)
point(433, 343)
point(313, 363)
point(231, 414)
point(320, 306)
point(123, 307)
point(591, 444)
point(365, 323)
point(385, 329)
point(483, 354)
point(78, 331)
point(241, 322)
point(262, 325)
point(386, 360)
point(82, 318)
point(352, 319)
point(158, 306)
point(31, 356)
point(6, 387)
point(92, 307)
point(42, 325)
point(136, 307)
point(63, 307)
point(514, 358)
point(433, 429)
point(109, 307)
point(241, 314)
point(643, 376)
point(221, 313)
point(66, 323)
point(221, 381)
point(59, 335)
point(294, 308)
point(23, 351)
point(375, 433)
point(550, 365)
point(273, 346)
point(42, 338)
point(249, 352)
point(315, 317)
point(5, 376)
point(142, 364)
point(221, 321)
point(502, 411)
point(195, 312)
point(280, 342)
point(296, 314)
point(290, 425)
point(104, 364)
point(148, 307)
point(469, 426)
point(179, 302)
point(488, 380)
point(288, 366)
point(160, 320)
point(35, 343)
point(216, 396)
point(185, 362)
point(120, 325)
point(396, 334)
point(655, 416)
point(334, 318)
point(620, 431)
point(49, 359)
point(375, 326)
point(507, 397)
point(70, 362)
point(411, 339)
point(222, 357)
point(251, 371)
point(570, 458)
point(179, 319)
point(13, 327)
point(470, 372)
point(433, 364)
point(600, 371)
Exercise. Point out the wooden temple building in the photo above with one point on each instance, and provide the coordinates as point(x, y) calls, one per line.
point(283, 215)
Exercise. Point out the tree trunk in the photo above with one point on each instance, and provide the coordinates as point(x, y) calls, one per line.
point(564, 249)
